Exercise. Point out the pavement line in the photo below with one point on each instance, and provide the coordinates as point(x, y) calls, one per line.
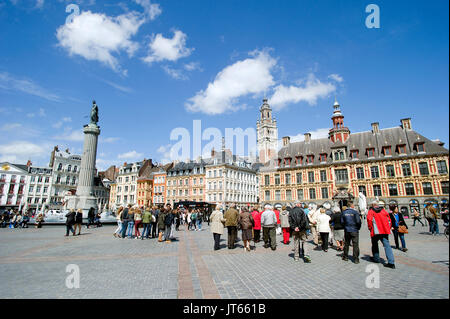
point(185, 286)
point(207, 283)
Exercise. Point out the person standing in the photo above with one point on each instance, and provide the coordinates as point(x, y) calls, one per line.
point(397, 221)
point(269, 224)
point(231, 217)
point(78, 221)
point(351, 221)
point(146, 221)
point(416, 217)
point(338, 228)
point(257, 229)
point(137, 222)
point(178, 219)
point(70, 220)
point(323, 227)
point(433, 220)
point(246, 223)
point(130, 228)
point(119, 222)
point(217, 226)
point(155, 213)
point(25, 220)
point(199, 220)
point(299, 224)
point(312, 216)
point(91, 217)
point(161, 226)
point(284, 220)
point(125, 219)
point(379, 224)
point(39, 220)
point(277, 214)
point(168, 221)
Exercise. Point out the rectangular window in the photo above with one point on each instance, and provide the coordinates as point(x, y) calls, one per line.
point(374, 172)
point(311, 177)
point(323, 176)
point(324, 192)
point(360, 172)
point(393, 190)
point(266, 180)
point(354, 154)
point(277, 179)
point(390, 171)
point(300, 194)
point(267, 196)
point(312, 193)
point(310, 159)
point(406, 168)
point(323, 158)
point(377, 190)
point(420, 148)
point(299, 178)
point(444, 186)
point(427, 189)
point(362, 189)
point(442, 167)
point(287, 179)
point(288, 194)
point(387, 151)
point(409, 188)
point(341, 175)
point(277, 195)
point(402, 149)
point(370, 152)
point(423, 168)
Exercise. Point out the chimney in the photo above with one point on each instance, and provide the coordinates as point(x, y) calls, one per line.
point(286, 140)
point(29, 163)
point(307, 137)
point(125, 164)
point(375, 128)
point(213, 152)
point(406, 124)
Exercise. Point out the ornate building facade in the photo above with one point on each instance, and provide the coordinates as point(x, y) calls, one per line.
point(396, 165)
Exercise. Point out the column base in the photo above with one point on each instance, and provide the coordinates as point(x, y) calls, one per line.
point(81, 202)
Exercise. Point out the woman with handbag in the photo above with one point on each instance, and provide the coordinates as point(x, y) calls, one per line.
point(246, 224)
point(399, 227)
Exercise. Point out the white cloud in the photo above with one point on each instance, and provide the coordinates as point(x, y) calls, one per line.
point(316, 134)
point(310, 92)
point(21, 151)
point(10, 83)
point(103, 164)
point(152, 10)
point(174, 73)
point(39, 3)
point(192, 66)
point(42, 112)
point(60, 123)
point(336, 77)
point(96, 36)
point(117, 86)
point(11, 127)
point(162, 48)
point(164, 150)
point(72, 136)
point(130, 155)
point(249, 76)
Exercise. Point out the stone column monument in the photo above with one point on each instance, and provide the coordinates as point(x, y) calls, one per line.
point(84, 197)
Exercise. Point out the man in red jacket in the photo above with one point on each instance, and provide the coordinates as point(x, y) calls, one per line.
point(379, 224)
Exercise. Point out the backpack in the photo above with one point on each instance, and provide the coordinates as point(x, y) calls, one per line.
point(304, 222)
point(193, 216)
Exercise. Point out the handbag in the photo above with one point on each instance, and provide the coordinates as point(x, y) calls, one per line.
point(402, 229)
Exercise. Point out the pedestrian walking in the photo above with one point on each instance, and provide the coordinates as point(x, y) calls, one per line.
point(416, 217)
point(323, 227)
point(70, 220)
point(351, 221)
point(91, 217)
point(432, 215)
point(39, 220)
point(269, 224)
point(199, 219)
point(285, 227)
point(299, 223)
point(337, 228)
point(246, 223)
point(78, 221)
point(231, 222)
point(217, 225)
point(399, 227)
point(379, 224)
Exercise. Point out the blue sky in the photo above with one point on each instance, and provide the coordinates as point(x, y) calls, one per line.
point(153, 66)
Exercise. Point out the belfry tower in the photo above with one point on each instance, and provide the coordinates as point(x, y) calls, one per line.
point(339, 132)
point(267, 132)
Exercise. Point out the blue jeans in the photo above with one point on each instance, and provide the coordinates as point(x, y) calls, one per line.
point(130, 229)
point(387, 248)
point(434, 226)
point(199, 224)
point(397, 234)
point(124, 228)
point(146, 231)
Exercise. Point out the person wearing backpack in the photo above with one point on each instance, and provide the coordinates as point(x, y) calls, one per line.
point(299, 223)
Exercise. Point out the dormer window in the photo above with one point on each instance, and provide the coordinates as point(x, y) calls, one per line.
point(298, 160)
point(279, 162)
point(323, 158)
point(310, 159)
point(339, 155)
point(287, 161)
point(401, 149)
point(354, 154)
point(370, 152)
point(420, 147)
point(387, 151)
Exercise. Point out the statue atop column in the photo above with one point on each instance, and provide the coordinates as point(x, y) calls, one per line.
point(94, 113)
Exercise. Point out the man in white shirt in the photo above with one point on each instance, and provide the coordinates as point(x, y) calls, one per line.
point(269, 224)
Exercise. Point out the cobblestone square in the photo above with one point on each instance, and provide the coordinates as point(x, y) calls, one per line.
point(33, 265)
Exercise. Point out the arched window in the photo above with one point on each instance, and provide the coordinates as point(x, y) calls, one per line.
point(69, 168)
point(75, 169)
point(59, 167)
